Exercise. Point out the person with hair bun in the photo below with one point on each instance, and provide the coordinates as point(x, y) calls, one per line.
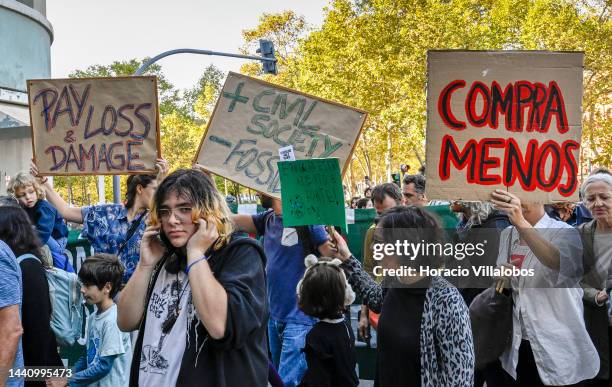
point(424, 331)
point(113, 228)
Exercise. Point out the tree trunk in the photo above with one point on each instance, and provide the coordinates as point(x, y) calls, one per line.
point(389, 152)
point(362, 166)
point(70, 197)
point(351, 177)
point(418, 155)
point(84, 190)
point(366, 155)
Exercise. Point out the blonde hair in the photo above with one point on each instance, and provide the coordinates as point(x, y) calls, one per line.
point(22, 180)
point(207, 202)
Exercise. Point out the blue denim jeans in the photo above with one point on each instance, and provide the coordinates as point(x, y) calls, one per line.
point(286, 343)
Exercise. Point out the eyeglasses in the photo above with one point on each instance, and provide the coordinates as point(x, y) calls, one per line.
point(180, 213)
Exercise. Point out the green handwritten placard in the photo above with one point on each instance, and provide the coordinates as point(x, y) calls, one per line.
point(311, 192)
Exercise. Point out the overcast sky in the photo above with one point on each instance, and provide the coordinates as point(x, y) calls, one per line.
point(98, 32)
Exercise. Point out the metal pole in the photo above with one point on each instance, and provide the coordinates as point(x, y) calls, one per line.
point(101, 189)
point(148, 63)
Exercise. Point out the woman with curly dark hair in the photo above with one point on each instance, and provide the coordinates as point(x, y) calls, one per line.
point(38, 341)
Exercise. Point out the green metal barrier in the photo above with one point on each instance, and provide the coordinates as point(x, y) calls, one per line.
point(359, 221)
point(357, 226)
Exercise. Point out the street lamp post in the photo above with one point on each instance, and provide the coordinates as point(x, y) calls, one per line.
point(268, 59)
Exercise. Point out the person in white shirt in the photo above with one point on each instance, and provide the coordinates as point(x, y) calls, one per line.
point(550, 345)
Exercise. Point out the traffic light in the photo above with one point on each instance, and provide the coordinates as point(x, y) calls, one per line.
point(266, 49)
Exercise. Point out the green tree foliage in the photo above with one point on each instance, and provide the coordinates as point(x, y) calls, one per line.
point(371, 54)
point(168, 95)
point(285, 30)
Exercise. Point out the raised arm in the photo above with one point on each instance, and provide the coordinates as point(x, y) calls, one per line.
point(132, 302)
point(244, 223)
point(370, 291)
point(71, 214)
point(547, 253)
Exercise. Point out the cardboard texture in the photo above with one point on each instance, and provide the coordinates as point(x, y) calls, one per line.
point(312, 192)
point(253, 119)
point(503, 119)
point(94, 126)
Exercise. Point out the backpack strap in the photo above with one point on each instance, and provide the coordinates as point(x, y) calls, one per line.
point(135, 224)
point(137, 347)
point(23, 257)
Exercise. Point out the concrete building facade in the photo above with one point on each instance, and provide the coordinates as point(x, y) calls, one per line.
point(25, 42)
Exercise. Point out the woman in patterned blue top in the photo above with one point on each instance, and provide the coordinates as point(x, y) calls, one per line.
point(113, 228)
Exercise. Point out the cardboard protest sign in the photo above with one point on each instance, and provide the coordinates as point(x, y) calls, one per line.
point(503, 119)
point(312, 192)
point(253, 119)
point(94, 126)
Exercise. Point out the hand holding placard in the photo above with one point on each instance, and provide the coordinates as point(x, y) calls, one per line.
point(311, 192)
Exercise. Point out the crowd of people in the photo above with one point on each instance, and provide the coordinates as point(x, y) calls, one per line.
point(184, 295)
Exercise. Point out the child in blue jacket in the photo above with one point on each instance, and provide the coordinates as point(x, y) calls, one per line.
point(51, 227)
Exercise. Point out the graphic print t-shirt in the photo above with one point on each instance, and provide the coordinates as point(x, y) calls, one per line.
point(162, 353)
point(105, 339)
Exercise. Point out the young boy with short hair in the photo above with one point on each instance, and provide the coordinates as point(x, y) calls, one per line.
point(109, 352)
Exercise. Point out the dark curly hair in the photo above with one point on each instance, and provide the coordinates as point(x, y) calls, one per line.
point(419, 182)
point(17, 231)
